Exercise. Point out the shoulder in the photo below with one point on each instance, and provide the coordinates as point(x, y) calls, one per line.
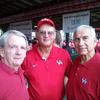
point(96, 58)
point(62, 54)
point(3, 78)
point(59, 50)
point(32, 51)
point(30, 57)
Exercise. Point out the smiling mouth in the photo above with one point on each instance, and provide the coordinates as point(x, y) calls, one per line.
point(82, 47)
point(17, 58)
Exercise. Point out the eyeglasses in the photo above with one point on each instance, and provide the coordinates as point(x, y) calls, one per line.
point(44, 33)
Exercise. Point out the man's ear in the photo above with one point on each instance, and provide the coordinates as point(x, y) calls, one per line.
point(36, 33)
point(96, 41)
point(1, 52)
point(55, 35)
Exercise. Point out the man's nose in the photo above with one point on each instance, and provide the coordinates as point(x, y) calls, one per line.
point(18, 50)
point(46, 34)
point(81, 42)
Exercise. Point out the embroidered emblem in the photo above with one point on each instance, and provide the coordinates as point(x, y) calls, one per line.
point(84, 81)
point(59, 62)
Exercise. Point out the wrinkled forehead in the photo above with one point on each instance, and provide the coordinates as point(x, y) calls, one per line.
point(82, 32)
point(15, 39)
point(46, 27)
point(14, 36)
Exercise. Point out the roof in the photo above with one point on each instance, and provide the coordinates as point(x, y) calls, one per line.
point(12, 7)
point(15, 10)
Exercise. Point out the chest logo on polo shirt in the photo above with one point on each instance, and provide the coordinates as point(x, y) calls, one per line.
point(84, 81)
point(59, 62)
point(34, 65)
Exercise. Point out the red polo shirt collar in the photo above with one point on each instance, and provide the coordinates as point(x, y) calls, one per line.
point(9, 70)
point(90, 62)
point(52, 53)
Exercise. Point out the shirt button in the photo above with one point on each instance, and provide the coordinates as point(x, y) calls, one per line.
point(75, 74)
point(78, 68)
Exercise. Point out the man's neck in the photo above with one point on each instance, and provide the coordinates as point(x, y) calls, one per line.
point(15, 68)
point(85, 58)
point(45, 51)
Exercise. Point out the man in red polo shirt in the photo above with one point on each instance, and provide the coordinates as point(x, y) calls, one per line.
point(84, 77)
point(12, 51)
point(45, 65)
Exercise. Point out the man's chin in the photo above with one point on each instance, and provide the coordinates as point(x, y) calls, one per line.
point(82, 53)
point(17, 64)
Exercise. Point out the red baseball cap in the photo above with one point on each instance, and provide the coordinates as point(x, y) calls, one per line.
point(45, 21)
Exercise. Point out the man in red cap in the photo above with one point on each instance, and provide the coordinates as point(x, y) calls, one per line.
point(45, 65)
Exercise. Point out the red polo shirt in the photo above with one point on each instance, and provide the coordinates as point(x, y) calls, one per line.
point(12, 84)
point(46, 77)
point(84, 80)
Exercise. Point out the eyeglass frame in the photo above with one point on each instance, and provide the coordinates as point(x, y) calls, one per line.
point(50, 33)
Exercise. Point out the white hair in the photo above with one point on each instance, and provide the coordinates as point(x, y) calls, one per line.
point(4, 36)
point(90, 28)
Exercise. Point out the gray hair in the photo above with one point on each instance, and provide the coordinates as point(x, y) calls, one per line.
point(90, 28)
point(1, 32)
point(4, 37)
